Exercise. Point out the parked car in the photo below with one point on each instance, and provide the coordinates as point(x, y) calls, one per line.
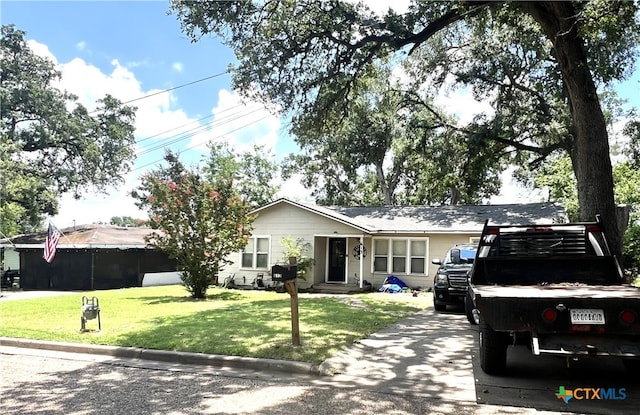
point(450, 285)
point(9, 277)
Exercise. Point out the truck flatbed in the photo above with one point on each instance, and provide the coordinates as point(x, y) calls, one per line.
point(558, 291)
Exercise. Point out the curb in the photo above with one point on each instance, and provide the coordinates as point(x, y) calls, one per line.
point(187, 358)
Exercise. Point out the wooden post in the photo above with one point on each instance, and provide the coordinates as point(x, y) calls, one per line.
point(292, 289)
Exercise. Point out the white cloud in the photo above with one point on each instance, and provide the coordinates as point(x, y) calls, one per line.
point(242, 124)
point(293, 189)
point(178, 67)
point(382, 6)
point(98, 207)
point(90, 84)
point(462, 104)
point(41, 50)
point(513, 192)
point(155, 116)
point(82, 45)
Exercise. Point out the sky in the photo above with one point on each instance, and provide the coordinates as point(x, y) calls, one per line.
point(135, 50)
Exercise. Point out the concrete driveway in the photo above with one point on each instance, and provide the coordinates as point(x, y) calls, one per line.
point(435, 355)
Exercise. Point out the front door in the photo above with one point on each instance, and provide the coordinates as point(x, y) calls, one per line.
point(337, 260)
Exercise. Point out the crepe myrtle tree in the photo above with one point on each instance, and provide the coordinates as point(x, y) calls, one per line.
point(198, 222)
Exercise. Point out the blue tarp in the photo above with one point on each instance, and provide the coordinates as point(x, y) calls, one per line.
point(395, 280)
point(392, 285)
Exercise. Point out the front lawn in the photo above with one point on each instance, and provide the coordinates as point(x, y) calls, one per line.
point(228, 322)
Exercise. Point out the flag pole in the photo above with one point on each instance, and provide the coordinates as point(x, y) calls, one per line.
point(8, 239)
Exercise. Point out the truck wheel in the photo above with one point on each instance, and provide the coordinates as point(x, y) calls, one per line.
point(473, 315)
point(437, 305)
point(493, 349)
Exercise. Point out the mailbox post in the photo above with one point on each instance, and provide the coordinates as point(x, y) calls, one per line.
point(288, 275)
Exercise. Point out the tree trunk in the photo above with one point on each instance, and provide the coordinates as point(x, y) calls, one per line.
point(590, 143)
point(386, 190)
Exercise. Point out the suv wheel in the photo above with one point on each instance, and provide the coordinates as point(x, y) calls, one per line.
point(438, 306)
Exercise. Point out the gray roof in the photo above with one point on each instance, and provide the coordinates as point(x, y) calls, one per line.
point(436, 219)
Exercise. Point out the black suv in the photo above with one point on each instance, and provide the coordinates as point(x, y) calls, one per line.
point(451, 281)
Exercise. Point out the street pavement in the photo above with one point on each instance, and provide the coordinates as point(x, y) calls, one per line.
point(424, 364)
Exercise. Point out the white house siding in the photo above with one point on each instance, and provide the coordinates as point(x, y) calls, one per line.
point(10, 259)
point(441, 243)
point(438, 244)
point(283, 220)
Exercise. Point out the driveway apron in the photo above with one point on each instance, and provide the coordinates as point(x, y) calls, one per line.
point(427, 354)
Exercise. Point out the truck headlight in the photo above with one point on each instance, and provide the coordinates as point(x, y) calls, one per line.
point(441, 278)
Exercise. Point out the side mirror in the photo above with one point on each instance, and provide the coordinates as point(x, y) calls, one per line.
point(436, 261)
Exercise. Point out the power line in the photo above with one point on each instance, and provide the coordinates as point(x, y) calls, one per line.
point(175, 87)
point(186, 134)
point(200, 144)
point(173, 129)
point(138, 141)
point(168, 90)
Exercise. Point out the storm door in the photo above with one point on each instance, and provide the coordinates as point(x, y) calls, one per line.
point(337, 260)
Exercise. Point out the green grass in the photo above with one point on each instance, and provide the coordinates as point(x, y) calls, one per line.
point(228, 322)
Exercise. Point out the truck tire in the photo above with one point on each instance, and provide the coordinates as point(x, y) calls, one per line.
point(493, 349)
point(437, 305)
point(470, 310)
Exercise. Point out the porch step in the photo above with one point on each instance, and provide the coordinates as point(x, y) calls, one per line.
point(339, 288)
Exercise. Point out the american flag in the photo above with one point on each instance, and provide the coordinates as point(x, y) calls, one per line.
point(50, 244)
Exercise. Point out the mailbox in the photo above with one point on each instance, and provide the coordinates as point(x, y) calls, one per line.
point(284, 272)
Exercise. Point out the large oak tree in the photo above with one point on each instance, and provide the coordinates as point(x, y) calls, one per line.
point(306, 56)
point(391, 147)
point(49, 143)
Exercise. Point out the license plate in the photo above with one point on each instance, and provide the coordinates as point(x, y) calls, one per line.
point(587, 316)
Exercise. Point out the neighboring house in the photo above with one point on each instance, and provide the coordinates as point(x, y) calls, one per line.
point(89, 257)
point(354, 244)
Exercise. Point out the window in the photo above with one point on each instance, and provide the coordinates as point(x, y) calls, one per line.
point(400, 256)
point(399, 249)
point(418, 256)
point(380, 255)
point(256, 253)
